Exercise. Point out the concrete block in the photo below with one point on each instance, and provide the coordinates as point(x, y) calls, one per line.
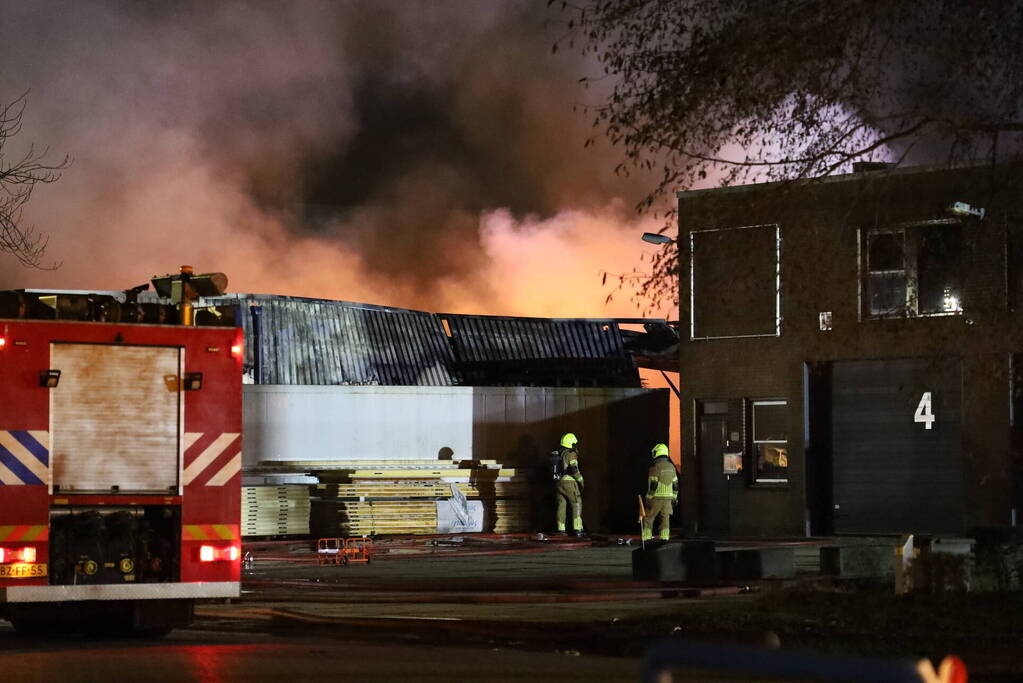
point(858, 561)
point(757, 563)
point(658, 562)
point(700, 560)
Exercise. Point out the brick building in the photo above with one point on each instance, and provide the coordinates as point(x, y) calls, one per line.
point(852, 359)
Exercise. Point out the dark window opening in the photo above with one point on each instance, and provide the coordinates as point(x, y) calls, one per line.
point(939, 279)
point(914, 271)
point(886, 251)
point(886, 273)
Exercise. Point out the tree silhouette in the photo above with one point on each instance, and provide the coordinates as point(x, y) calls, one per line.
point(18, 179)
point(703, 92)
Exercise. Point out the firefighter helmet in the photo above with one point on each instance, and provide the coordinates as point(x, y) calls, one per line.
point(659, 450)
point(569, 440)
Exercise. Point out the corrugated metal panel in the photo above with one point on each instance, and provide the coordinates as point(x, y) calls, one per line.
point(519, 426)
point(488, 338)
point(115, 417)
point(316, 341)
point(494, 350)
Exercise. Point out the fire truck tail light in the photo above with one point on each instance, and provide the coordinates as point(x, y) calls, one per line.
point(9, 555)
point(210, 553)
point(236, 350)
point(3, 343)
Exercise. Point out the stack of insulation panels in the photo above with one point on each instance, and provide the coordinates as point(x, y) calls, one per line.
point(275, 510)
point(401, 497)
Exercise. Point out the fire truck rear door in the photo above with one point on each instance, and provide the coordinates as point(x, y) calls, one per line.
point(115, 417)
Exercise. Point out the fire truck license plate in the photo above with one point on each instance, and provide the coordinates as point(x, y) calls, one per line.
point(21, 571)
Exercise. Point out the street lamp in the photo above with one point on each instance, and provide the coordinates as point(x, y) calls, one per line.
point(657, 238)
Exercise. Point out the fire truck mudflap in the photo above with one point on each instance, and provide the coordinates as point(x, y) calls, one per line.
point(120, 464)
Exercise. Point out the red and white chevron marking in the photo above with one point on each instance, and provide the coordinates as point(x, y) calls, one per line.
point(212, 458)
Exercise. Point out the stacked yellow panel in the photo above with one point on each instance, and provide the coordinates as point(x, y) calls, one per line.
point(275, 510)
point(400, 497)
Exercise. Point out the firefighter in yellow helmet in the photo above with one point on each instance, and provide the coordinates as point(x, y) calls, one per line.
point(568, 483)
point(661, 494)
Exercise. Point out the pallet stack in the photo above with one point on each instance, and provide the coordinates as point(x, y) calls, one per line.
point(509, 515)
point(275, 510)
point(400, 497)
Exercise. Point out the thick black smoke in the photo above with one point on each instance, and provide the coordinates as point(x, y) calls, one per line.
point(261, 137)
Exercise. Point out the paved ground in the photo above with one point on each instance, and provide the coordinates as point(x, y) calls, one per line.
point(197, 655)
point(434, 610)
point(584, 584)
point(561, 595)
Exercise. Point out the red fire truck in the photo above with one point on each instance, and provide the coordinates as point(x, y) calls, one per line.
point(120, 460)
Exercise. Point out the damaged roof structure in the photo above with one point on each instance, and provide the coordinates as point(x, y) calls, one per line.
point(292, 340)
point(296, 340)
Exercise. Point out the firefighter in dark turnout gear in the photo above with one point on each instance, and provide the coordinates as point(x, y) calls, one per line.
point(662, 493)
point(569, 485)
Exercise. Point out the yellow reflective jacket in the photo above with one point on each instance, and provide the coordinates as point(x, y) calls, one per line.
point(570, 465)
point(663, 479)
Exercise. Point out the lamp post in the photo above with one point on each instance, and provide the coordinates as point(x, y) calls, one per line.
point(657, 238)
point(660, 239)
point(674, 404)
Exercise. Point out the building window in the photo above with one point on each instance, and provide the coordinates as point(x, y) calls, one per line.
point(886, 273)
point(913, 270)
point(770, 441)
point(735, 282)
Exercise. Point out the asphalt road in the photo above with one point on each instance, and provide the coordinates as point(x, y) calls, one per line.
point(246, 656)
point(193, 655)
point(536, 616)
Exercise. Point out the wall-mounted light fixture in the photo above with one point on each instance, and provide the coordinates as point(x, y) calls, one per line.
point(49, 378)
point(192, 381)
point(962, 209)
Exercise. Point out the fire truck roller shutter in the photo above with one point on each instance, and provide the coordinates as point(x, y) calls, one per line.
point(115, 417)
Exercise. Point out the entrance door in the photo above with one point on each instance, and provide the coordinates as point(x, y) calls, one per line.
point(714, 501)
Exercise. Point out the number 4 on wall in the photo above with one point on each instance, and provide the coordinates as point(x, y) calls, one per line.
point(923, 411)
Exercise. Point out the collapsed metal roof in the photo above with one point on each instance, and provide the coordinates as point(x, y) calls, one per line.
point(292, 340)
point(540, 351)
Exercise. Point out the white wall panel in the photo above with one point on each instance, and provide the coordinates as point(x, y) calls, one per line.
point(292, 422)
point(517, 426)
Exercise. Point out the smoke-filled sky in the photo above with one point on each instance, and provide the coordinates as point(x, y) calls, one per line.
point(410, 153)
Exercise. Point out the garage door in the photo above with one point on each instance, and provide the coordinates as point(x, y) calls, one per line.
point(115, 416)
point(896, 446)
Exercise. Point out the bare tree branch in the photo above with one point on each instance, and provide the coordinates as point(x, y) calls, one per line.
point(18, 178)
point(733, 92)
